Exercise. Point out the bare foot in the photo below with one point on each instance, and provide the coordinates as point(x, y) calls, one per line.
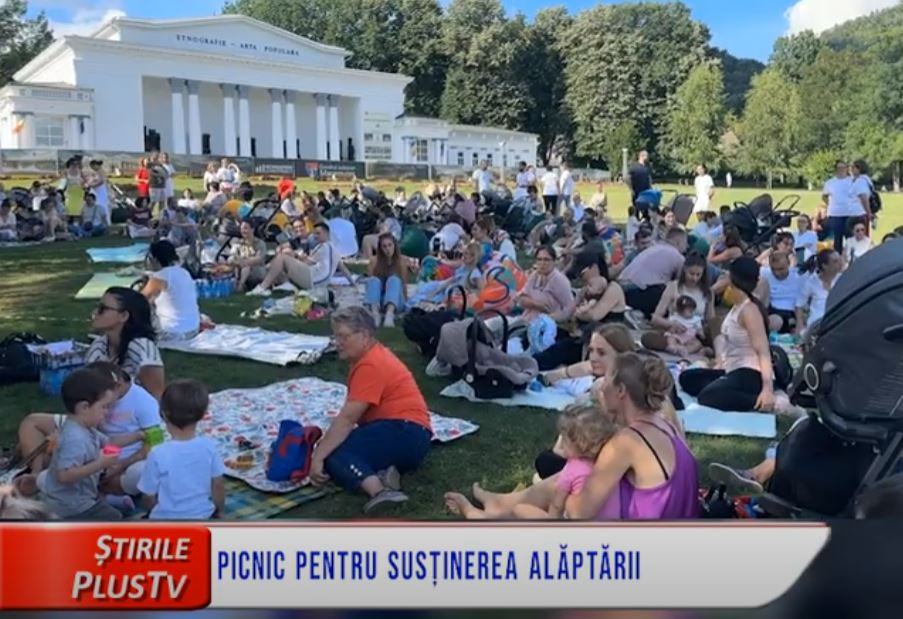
point(458, 505)
point(26, 485)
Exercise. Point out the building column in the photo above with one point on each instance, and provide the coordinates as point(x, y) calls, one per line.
point(322, 137)
point(75, 132)
point(194, 118)
point(229, 119)
point(334, 138)
point(87, 133)
point(178, 116)
point(244, 122)
point(292, 149)
point(278, 135)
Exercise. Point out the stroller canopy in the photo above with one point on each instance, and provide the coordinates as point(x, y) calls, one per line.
point(343, 236)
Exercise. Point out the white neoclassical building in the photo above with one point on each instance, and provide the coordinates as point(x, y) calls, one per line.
point(226, 85)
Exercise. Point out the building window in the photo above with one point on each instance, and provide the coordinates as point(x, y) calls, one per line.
point(387, 137)
point(205, 144)
point(489, 158)
point(461, 158)
point(48, 131)
point(368, 137)
point(420, 150)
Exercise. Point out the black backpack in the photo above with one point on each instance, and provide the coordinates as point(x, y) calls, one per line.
point(424, 328)
point(874, 198)
point(783, 370)
point(16, 361)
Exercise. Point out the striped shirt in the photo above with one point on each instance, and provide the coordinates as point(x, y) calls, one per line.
point(141, 353)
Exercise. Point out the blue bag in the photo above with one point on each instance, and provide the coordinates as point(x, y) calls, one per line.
point(291, 452)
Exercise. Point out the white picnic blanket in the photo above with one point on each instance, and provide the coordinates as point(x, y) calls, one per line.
point(131, 254)
point(698, 419)
point(550, 398)
point(274, 347)
point(253, 416)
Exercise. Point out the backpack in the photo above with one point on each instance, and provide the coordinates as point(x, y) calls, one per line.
point(16, 361)
point(157, 176)
point(291, 452)
point(783, 370)
point(874, 198)
point(424, 328)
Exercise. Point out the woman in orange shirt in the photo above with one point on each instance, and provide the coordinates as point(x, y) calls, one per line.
point(142, 179)
point(384, 426)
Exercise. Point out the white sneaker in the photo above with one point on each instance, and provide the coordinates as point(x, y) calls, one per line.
point(259, 291)
point(389, 321)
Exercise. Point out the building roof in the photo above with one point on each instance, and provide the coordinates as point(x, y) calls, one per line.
point(116, 23)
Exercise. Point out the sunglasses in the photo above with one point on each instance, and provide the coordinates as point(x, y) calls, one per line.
point(101, 308)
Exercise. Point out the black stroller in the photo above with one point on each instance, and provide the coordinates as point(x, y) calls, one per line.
point(853, 372)
point(761, 219)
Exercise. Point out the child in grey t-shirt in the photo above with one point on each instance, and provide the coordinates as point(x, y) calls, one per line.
point(69, 487)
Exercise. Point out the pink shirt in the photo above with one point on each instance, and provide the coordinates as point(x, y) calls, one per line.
point(655, 266)
point(553, 290)
point(572, 479)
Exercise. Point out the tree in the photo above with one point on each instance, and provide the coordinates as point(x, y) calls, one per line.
point(464, 20)
point(549, 116)
point(831, 94)
point(696, 119)
point(738, 74)
point(395, 36)
point(21, 39)
point(793, 54)
point(769, 129)
point(819, 166)
point(489, 85)
point(622, 64)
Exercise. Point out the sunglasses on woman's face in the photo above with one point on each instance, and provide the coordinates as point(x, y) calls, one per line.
point(101, 308)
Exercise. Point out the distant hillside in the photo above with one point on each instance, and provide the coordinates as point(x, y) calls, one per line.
point(863, 30)
point(738, 73)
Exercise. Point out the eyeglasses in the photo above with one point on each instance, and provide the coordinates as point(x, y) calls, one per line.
point(101, 308)
point(344, 336)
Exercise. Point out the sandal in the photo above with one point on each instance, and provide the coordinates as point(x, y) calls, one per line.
point(738, 479)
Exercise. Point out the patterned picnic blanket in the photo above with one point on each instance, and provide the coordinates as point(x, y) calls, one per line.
point(238, 415)
point(274, 347)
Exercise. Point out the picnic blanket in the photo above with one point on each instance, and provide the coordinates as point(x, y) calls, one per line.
point(550, 398)
point(698, 419)
point(273, 347)
point(238, 415)
point(99, 282)
point(124, 255)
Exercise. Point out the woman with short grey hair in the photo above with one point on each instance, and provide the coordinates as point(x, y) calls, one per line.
point(384, 426)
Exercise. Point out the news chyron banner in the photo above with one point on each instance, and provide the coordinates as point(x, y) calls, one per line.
point(401, 565)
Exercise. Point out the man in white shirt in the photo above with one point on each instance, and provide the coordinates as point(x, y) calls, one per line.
point(705, 190)
point(566, 184)
point(525, 178)
point(550, 188)
point(482, 178)
point(841, 203)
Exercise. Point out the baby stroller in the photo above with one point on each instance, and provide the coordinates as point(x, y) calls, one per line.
point(122, 206)
point(854, 373)
point(761, 219)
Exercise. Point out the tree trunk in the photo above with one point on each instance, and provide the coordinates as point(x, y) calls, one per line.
point(768, 181)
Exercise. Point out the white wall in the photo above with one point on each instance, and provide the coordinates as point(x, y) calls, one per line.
point(157, 102)
point(118, 101)
point(60, 71)
point(351, 126)
point(233, 39)
point(261, 121)
point(306, 109)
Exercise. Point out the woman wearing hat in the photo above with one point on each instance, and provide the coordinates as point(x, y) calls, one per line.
point(743, 378)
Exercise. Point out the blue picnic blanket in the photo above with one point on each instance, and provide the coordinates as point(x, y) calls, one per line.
point(125, 255)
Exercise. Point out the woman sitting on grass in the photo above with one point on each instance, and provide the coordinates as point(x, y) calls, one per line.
point(646, 465)
point(384, 426)
point(173, 292)
point(387, 283)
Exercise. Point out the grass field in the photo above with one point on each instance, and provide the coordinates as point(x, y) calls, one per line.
point(36, 294)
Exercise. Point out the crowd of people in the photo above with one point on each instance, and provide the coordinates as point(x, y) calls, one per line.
point(590, 286)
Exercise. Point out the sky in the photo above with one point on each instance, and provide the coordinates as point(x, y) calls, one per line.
point(746, 28)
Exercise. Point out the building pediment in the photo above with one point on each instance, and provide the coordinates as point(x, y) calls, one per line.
point(229, 35)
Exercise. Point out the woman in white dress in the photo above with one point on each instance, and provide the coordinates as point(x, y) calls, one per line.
point(170, 173)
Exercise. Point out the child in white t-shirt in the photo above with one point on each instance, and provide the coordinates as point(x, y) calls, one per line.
point(183, 477)
point(684, 336)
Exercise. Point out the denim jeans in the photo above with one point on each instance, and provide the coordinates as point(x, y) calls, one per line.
point(380, 294)
point(838, 226)
point(79, 231)
point(375, 446)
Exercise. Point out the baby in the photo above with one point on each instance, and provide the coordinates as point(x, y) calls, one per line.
point(684, 335)
point(583, 431)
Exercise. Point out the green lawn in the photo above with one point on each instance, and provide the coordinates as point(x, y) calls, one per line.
point(36, 294)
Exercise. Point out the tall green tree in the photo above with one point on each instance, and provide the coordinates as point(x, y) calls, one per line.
point(623, 63)
point(770, 127)
point(464, 20)
point(696, 119)
point(395, 36)
point(489, 86)
point(832, 94)
point(793, 54)
point(738, 74)
point(549, 116)
point(21, 38)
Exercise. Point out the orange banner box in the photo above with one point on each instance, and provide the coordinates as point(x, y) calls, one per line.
point(104, 566)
